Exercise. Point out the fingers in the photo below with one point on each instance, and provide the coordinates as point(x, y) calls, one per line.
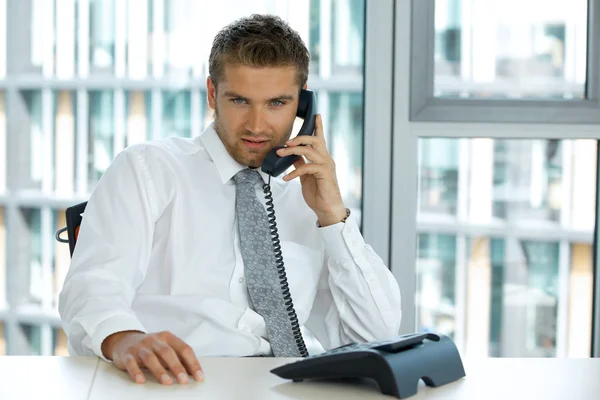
point(312, 141)
point(299, 162)
point(311, 169)
point(160, 353)
point(133, 369)
point(187, 356)
point(310, 153)
point(168, 356)
point(151, 361)
point(319, 128)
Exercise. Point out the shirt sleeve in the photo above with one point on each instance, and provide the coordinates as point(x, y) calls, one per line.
point(358, 299)
point(110, 258)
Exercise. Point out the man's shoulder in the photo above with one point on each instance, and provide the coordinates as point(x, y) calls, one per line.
point(165, 148)
point(170, 145)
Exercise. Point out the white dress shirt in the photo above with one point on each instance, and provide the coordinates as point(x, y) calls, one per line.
point(158, 250)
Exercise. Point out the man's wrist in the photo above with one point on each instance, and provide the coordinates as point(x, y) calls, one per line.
point(333, 218)
point(109, 343)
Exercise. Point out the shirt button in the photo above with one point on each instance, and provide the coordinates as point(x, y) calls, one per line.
point(241, 280)
point(354, 243)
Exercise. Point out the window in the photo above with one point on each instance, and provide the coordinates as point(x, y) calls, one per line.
point(3, 299)
point(2, 340)
point(3, 141)
point(102, 33)
point(100, 134)
point(93, 80)
point(508, 49)
point(138, 124)
point(506, 61)
point(506, 228)
point(176, 118)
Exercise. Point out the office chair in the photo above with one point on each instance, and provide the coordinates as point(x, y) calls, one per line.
point(73, 217)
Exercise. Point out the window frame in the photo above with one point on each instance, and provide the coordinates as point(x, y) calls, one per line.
point(398, 212)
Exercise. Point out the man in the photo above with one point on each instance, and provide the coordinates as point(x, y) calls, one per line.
point(172, 260)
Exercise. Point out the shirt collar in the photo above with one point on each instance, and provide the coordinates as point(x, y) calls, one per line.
point(226, 166)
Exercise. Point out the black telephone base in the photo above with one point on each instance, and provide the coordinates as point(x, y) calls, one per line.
point(396, 365)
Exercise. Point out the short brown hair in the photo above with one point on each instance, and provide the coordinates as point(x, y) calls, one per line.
point(258, 41)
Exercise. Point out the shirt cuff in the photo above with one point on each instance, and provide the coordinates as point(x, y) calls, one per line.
point(343, 240)
point(118, 323)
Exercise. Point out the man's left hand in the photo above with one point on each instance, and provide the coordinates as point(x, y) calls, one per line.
point(318, 177)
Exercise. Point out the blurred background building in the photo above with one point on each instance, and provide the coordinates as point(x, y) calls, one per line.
point(505, 227)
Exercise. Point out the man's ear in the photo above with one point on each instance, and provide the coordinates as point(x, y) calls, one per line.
point(305, 86)
point(211, 93)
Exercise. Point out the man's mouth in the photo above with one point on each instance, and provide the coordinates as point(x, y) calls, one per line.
point(255, 143)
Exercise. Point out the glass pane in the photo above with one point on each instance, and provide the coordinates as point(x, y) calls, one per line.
point(2, 340)
point(157, 38)
point(176, 114)
point(59, 341)
point(3, 143)
point(345, 132)
point(581, 299)
point(33, 218)
point(65, 142)
point(436, 296)
point(102, 33)
point(33, 101)
point(528, 179)
point(484, 49)
point(347, 37)
point(506, 229)
point(439, 176)
point(100, 135)
point(3, 274)
point(61, 259)
point(524, 179)
point(138, 125)
point(33, 334)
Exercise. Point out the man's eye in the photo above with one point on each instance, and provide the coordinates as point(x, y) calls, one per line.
point(238, 101)
point(277, 103)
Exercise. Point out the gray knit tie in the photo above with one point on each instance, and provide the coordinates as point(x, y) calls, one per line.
point(260, 265)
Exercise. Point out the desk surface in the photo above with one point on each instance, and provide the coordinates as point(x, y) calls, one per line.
point(249, 378)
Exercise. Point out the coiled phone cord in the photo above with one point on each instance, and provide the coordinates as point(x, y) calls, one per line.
point(281, 271)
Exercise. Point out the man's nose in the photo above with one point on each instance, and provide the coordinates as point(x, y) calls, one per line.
point(256, 122)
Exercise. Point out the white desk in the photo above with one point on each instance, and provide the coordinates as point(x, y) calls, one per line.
point(29, 377)
point(249, 378)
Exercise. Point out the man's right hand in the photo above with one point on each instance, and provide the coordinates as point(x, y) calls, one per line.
point(159, 352)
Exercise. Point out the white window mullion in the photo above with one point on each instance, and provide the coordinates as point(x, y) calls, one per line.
point(48, 138)
point(119, 121)
point(65, 39)
point(137, 39)
point(2, 39)
point(120, 38)
point(46, 340)
point(82, 135)
point(460, 287)
point(83, 38)
point(156, 110)
point(196, 112)
point(47, 236)
point(325, 57)
point(462, 258)
point(564, 284)
point(158, 38)
point(566, 185)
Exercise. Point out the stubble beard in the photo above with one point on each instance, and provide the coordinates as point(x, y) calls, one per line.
point(238, 154)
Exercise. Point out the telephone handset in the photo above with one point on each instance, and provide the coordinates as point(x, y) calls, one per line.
point(307, 110)
point(274, 165)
